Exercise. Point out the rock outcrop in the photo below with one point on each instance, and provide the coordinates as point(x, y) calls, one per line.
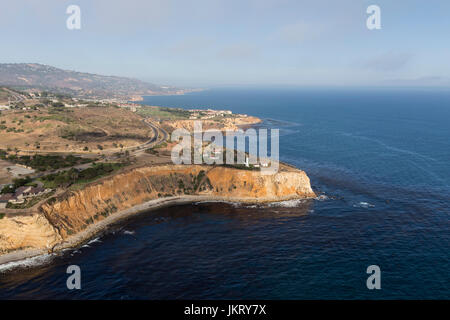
point(74, 211)
point(31, 231)
point(225, 124)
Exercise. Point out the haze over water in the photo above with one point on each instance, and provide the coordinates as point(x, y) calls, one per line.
point(381, 158)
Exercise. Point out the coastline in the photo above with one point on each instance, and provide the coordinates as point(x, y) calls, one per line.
point(91, 231)
point(151, 205)
point(184, 92)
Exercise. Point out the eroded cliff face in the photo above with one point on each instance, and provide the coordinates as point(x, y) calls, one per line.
point(226, 124)
point(33, 231)
point(245, 184)
point(74, 211)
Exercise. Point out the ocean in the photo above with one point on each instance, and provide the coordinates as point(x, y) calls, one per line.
point(379, 158)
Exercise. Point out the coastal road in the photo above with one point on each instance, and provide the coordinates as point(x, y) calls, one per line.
point(159, 136)
point(156, 139)
point(16, 96)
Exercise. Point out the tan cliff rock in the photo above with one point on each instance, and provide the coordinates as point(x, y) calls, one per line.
point(33, 231)
point(74, 211)
point(226, 124)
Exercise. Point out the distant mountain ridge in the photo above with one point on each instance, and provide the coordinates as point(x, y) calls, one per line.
point(78, 84)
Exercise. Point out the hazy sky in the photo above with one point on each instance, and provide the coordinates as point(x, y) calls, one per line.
point(227, 42)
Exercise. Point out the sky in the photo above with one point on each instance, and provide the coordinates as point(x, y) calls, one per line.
point(207, 43)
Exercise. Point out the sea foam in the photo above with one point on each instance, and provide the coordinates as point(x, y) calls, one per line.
point(363, 205)
point(27, 263)
point(287, 203)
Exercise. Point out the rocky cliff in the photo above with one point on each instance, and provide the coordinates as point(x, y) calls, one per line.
point(75, 211)
point(225, 124)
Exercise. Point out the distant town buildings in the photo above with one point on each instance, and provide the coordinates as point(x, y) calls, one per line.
point(24, 166)
point(133, 107)
point(208, 114)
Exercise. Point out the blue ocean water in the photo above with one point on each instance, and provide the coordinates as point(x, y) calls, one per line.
point(381, 158)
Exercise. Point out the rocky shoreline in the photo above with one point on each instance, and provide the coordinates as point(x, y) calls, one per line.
point(99, 227)
point(75, 217)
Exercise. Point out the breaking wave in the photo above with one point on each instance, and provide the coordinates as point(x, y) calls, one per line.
point(363, 204)
point(27, 263)
point(287, 203)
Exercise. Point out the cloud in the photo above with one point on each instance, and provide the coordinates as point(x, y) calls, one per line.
point(296, 33)
point(239, 52)
point(389, 61)
point(191, 45)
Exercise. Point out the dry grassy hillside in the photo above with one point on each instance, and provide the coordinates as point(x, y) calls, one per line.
point(72, 129)
point(78, 84)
